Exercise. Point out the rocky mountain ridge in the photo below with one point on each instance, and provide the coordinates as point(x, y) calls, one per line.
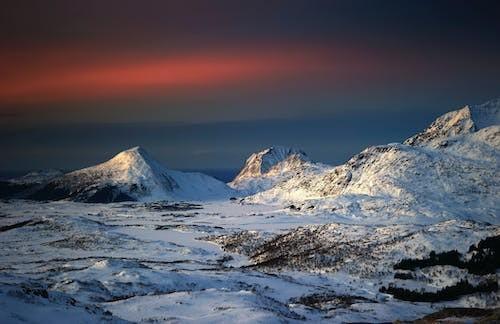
point(450, 170)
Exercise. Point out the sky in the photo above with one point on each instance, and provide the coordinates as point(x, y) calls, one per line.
point(202, 84)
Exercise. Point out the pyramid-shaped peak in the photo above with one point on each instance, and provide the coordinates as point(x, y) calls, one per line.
point(132, 175)
point(132, 164)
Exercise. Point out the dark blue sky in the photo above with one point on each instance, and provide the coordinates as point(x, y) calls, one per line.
point(202, 84)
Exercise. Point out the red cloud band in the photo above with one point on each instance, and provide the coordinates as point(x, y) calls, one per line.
point(55, 77)
point(77, 74)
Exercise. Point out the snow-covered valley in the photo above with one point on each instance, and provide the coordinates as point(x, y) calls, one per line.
point(155, 262)
point(380, 238)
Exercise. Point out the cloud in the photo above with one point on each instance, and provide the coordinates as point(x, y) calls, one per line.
point(80, 74)
point(53, 77)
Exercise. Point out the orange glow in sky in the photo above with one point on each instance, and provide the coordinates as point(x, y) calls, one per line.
point(52, 77)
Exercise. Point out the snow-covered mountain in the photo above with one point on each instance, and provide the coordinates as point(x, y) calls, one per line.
point(132, 175)
point(459, 122)
point(267, 168)
point(450, 170)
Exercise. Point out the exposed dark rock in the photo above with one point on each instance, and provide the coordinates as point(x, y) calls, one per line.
point(244, 242)
point(480, 315)
point(20, 224)
point(484, 258)
point(169, 206)
point(462, 288)
point(404, 275)
point(328, 301)
point(58, 191)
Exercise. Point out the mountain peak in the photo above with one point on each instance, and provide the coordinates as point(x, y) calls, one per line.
point(134, 152)
point(466, 120)
point(263, 162)
point(132, 174)
point(268, 167)
point(135, 158)
point(135, 149)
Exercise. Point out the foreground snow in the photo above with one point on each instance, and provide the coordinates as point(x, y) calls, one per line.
point(68, 261)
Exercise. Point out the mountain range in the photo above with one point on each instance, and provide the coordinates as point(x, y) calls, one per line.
point(449, 169)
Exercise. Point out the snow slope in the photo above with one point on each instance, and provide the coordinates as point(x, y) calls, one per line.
point(267, 168)
point(132, 175)
point(451, 170)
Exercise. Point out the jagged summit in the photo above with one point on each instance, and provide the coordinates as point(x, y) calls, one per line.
point(458, 122)
point(265, 169)
point(132, 174)
point(265, 161)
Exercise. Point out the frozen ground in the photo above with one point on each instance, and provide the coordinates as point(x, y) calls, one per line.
point(213, 262)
